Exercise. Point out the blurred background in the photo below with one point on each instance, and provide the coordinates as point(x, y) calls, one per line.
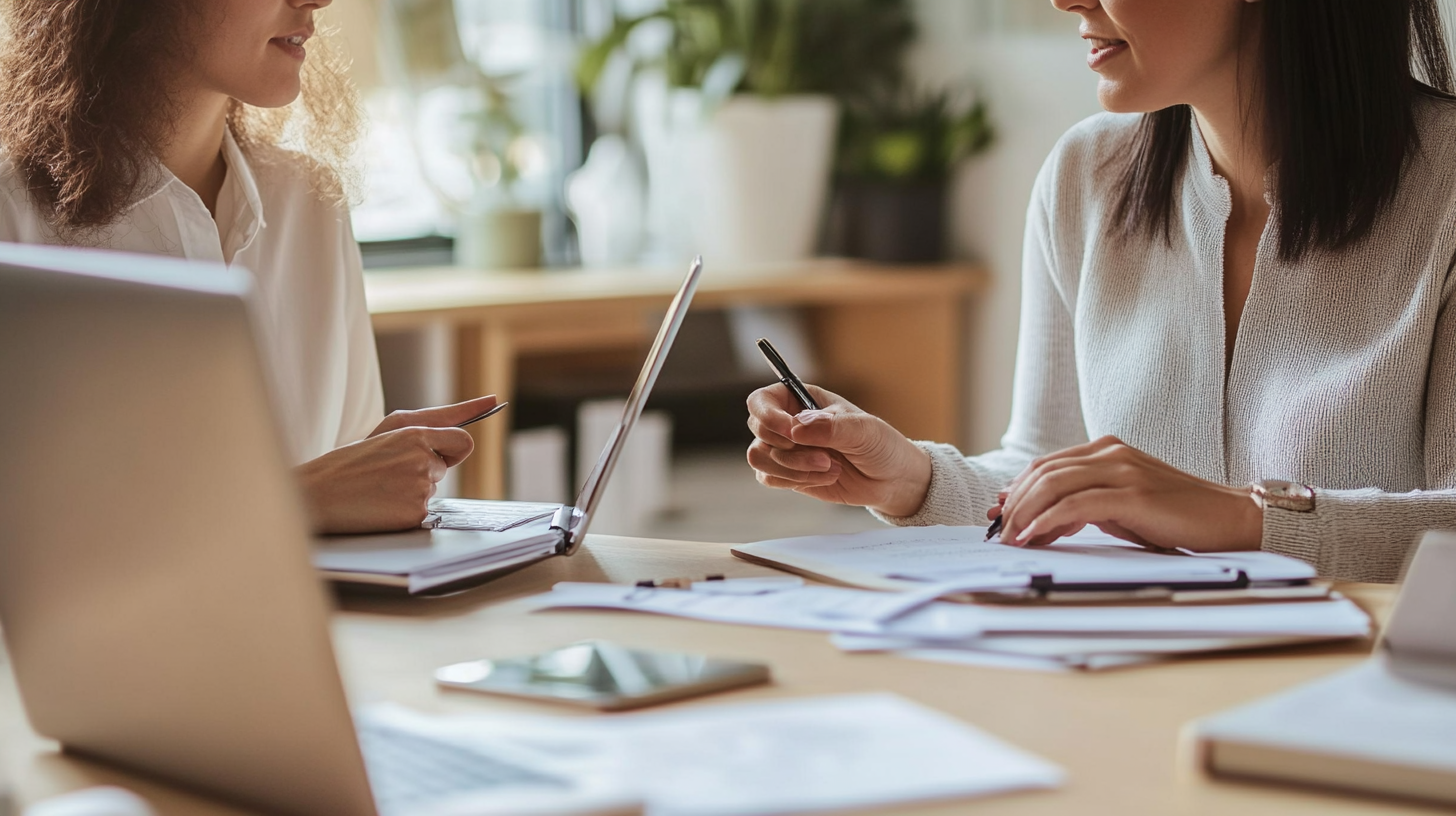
point(603, 137)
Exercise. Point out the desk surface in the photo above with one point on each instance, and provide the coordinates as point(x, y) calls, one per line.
point(1116, 733)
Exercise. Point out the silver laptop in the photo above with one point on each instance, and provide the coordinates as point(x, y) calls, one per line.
point(156, 594)
point(469, 541)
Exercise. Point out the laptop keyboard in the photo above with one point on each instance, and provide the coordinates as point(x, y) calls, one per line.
point(407, 769)
point(490, 516)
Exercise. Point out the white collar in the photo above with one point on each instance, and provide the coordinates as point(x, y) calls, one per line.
point(240, 181)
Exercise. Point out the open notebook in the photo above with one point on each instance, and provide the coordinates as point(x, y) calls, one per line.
point(464, 542)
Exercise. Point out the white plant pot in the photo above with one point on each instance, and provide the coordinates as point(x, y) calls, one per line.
point(669, 122)
point(760, 172)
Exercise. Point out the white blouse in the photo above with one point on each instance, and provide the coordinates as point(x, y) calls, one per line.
point(314, 333)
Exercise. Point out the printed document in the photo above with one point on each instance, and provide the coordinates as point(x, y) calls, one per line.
point(839, 609)
point(1058, 653)
point(785, 756)
point(905, 557)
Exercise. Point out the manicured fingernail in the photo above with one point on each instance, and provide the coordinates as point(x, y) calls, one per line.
point(807, 417)
point(1026, 535)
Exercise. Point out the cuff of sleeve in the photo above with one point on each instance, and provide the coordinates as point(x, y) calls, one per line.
point(1297, 535)
point(1355, 535)
point(946, 500)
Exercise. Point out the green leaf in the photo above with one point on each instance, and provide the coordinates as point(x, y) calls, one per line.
point(898, 155)
point(838, 47)
point(594, 57)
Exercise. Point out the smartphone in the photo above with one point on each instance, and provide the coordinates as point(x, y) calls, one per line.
point(603, 675)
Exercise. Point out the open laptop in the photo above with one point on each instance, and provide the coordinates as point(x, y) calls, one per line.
point(470, 541)
point(156, 594)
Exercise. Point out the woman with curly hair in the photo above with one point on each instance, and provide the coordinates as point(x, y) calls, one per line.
point(159, 126)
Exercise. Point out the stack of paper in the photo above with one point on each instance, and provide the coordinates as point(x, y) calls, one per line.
point(787, 756)
point(423, 560)
point(1206, 602)
point(1086, 637)
point(1054, 652)
point(910, 558)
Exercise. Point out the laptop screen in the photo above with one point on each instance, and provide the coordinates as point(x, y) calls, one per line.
point(596, 482)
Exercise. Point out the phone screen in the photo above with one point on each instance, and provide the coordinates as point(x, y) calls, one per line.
point(603, 675)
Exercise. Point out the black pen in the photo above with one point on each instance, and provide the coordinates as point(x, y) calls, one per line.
point(491, 412)
point(786, 376)
point(995, 526)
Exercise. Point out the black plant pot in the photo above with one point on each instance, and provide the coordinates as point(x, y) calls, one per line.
point(890, 222)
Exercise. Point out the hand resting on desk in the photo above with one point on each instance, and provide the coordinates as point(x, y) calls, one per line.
point(842, 454)
point(383, 483)
point(1129, 494)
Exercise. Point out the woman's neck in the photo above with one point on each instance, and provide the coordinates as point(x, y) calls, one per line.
point(1236, 148)
point(194, 151)
point(1229, 107)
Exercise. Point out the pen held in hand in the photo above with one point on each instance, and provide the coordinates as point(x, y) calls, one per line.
point(994, 529)
point(491, 412)
point(786, 376)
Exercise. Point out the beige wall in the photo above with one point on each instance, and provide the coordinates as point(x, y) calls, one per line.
point(1025, 57)
point(358, 21)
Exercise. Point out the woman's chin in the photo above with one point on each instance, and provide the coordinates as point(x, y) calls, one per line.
point(1119, 97)
point(276, 95)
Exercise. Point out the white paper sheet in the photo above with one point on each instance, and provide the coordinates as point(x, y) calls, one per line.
point(1059, 646)
point(836, 609)
point(1054, 653)
point(1329, 618)
point(1058, 665)
point(816, 608)
point(785, 756)
point(961, 554)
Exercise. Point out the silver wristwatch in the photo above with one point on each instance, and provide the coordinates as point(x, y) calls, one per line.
point(1284, 495)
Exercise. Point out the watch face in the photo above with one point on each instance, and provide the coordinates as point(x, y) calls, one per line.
point(1278, 488)
point(1288, 495)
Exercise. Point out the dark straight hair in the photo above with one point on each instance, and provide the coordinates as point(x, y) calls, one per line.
point(1339, 81)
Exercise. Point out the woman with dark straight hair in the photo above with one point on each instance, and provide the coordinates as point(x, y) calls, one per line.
point(158, 126)
point(1238, 323)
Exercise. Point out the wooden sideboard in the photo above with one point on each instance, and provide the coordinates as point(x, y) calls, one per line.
point(892, 336)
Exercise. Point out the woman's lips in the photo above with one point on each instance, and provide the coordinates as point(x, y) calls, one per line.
point(1104, 50)
point(292, 46)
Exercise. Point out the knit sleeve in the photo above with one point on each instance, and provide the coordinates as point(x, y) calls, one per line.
point(1046, 412)
point(1368, 535)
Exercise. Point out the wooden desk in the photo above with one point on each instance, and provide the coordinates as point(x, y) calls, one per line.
point(890, 337)
point(1116, 733)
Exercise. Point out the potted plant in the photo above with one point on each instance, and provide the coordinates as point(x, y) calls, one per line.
point(748, 124)
point(496, 229)
point(475, 120)
point(898, 148)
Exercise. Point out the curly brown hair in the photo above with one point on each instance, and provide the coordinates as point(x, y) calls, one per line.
point(84, 106)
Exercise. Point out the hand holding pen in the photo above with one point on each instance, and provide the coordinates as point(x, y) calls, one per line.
point(833, 451)
point(385, 481)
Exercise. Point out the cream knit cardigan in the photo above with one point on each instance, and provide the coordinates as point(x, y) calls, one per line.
point(1343, 374)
